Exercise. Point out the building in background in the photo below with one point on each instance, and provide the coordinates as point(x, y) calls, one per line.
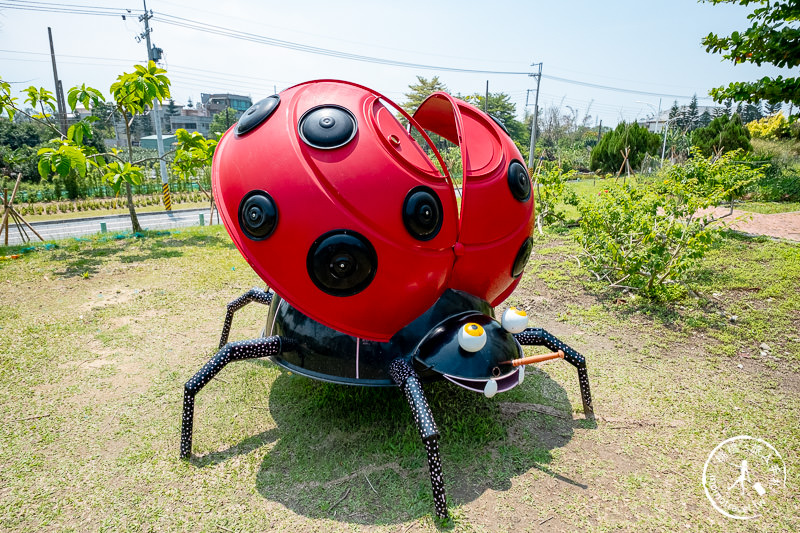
point(151, 141)
point(657, 126)
point(216, 103)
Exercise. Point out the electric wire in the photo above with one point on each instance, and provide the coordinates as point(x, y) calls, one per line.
point(212, 29)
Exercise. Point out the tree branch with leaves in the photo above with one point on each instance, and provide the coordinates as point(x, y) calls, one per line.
point(773, 38)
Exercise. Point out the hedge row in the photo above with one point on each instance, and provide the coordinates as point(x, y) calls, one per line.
point(52, 208)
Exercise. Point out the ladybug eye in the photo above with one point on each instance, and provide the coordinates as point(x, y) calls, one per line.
point(523, 256)
point(471, 337)
point(514, 320)
point(519, 182)
point(422, 213)
point(327, 127)
point(342, 263)
point(258, 113)
point(258, 215)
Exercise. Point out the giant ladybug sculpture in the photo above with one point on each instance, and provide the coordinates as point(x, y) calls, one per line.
point(378, 277)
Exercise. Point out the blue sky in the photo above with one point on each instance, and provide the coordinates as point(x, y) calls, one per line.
point(649, 46)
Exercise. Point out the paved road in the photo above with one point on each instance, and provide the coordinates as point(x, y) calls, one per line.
point(77, 227)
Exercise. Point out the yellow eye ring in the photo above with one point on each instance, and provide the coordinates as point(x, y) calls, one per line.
point(473, 329)
point(514, 320)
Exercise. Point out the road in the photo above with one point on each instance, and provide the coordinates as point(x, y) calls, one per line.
point(78, 227)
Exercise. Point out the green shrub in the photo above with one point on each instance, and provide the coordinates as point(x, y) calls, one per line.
point(608, 156)
point(780, 162)
point(723, 133)
point(549, 186)
point(773, 127)
point(648, 235)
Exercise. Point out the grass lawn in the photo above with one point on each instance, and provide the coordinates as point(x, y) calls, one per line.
point(767, 208)
point(98, 337)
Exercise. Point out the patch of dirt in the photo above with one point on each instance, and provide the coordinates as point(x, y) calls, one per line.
point(112, 296)
point(780, 225)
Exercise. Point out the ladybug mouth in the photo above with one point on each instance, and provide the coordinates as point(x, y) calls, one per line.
point(504, 383)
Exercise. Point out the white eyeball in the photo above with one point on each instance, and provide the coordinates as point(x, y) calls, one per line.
point(514, 320)
point(472, 337)
point(490, 389)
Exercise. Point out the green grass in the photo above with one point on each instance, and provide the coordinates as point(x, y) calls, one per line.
point(98, 336)
point(768, 208)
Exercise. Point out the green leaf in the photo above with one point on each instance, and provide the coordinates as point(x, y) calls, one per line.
point(44, 168)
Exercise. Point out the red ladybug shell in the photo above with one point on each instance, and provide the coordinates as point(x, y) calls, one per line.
point(361, 190)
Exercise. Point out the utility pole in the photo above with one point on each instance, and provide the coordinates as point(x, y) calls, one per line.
point(538, 77)
point(154, 54)
point(62, 108)
point(486, 99)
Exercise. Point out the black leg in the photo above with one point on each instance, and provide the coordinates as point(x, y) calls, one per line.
point(253, 295)
point(235, 351)
point(409, 383)
point(539, 337)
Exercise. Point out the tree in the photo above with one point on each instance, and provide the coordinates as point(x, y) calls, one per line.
point(170, 110)
point(705, 119)
point(107, 117)
point(133, 92)
point(674, 111)
point(142, 126)
point(723, 133)
point(609, 156)
point(751, 112)
point(17, 134)
point(728, 106)
point(221, 122)
point(692, 114)
point(774, 38)
point(70, 157)
point(420, 91)
point(772, 109)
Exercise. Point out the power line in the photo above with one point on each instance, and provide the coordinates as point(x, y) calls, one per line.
point(251, 37)
point(203, 27)
point(70, 9)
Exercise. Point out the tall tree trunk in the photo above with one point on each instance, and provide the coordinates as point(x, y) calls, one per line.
point(135, 226)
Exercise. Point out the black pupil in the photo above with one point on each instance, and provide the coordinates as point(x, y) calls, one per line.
point(342, 265)
point(426, 213)
point(255, 213)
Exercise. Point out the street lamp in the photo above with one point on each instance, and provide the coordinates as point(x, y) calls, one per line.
point(657, 112)
point(664, 145)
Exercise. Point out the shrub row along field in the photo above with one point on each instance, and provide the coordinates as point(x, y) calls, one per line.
point(98, 337)
point(97, 205)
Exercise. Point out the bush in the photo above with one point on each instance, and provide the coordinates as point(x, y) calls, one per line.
point(549, 185)
point(781, 166)
point(772, 127)
point(647, 236)
point(608, 154)
point(724, 133)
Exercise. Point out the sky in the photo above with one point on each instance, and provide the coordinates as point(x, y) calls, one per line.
point(649, 46)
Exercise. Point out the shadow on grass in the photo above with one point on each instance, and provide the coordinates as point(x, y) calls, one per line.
point(85, 257)
point(354, 454)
